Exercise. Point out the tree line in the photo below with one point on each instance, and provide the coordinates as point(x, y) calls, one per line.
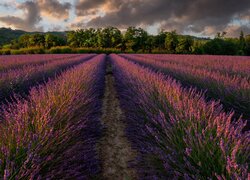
point(136, 40)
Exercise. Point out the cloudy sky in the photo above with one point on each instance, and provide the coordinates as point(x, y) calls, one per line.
point(196, 17)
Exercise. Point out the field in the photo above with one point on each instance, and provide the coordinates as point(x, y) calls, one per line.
point(126, 116)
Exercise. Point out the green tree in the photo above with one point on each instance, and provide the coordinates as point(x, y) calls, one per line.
point(159, 41)
point(23, 40)
point(219, 46)
point(122, 45)
point(171, 42)
point(37, 40)
point(135, 39)
point(149, 43)
point(52, 40)
point(221, 35)
point(242, 44)
point(109, 37)
point(88, 37)
point(198, 47)
point(15, 44)
point(185, 44)
point(73, 39)
point(247, 49)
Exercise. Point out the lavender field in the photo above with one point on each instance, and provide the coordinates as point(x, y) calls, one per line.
point(124, 116)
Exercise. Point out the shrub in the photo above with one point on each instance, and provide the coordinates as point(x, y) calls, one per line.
point(4, 51)
point(60, 50)
point(31, 50)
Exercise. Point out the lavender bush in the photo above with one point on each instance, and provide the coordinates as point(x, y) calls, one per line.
point(53, 133)
point(20, 80)
point(176, 132)
point(232, 91)
point(19, 61)
point(230, 65)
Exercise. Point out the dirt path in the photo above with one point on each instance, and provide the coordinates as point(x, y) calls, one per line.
point(114, 149)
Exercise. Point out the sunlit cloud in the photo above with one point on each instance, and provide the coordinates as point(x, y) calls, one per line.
point(206, 17)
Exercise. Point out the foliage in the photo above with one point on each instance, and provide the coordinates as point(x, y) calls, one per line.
point(220, 46)
point(135, 39)
point(171, 42)
point(5, 51)
point(109, 37)
point(176, 132)
point(247, 50)
point(132, 40)
point(18, 77)
point(184, 45)
point(30, 50)
point(60, 50)
point(39, 134)
point(7, 35)
point(223, 78)
point(46, 41)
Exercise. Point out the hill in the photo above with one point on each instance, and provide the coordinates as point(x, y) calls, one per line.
point(8, 34)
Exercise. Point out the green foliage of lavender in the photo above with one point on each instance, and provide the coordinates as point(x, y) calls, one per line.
point(224, 78)
point(19, 79)
point(15, 62)
point(176, 132)
point(53, 133)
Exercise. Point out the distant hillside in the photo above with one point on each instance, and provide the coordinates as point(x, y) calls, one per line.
point(8, 34)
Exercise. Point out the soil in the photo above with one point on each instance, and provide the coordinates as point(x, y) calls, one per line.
point(114, 148)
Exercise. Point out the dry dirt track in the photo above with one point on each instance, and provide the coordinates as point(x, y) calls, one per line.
point(114, 149)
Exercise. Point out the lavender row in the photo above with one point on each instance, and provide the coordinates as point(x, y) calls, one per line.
point(20, 80)
point(52, 134)
point(20, 61)
point(176, 133)
point(233, 92)
point(231, 65)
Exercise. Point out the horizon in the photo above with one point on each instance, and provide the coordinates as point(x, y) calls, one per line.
point(201, 19)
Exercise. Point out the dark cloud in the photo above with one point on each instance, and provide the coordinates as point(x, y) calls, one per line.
point(236, 29)
point(29, 21)
point(86, 7)
point(32, 13)
point(183, 15)
point(205, 17)
point(54, 8)
point(55, 28)
point(245, 15)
